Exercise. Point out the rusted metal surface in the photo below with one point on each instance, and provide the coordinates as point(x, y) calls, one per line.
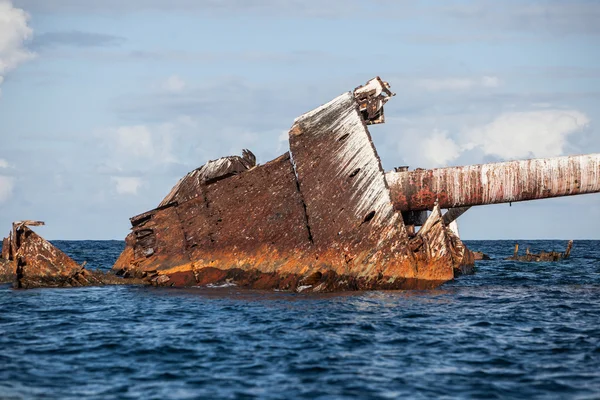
point(441, 244)
point(255, 218)
point(319, 218)
point(371, 98)
point(5, 248)
point(503, 182)
point(38, 263)
point(30, 261)
point(190, 186)
point(8, 271)
point(541, 256)
point(8, 266)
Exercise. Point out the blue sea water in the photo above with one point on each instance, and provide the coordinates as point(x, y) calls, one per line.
point(512, 330)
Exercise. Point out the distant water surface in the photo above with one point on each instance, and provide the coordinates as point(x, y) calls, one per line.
point(513, 330)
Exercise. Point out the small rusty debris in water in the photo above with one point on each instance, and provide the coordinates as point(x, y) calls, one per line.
point(541, 256)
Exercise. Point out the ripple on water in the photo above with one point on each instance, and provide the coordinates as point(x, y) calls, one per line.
point(512, 330)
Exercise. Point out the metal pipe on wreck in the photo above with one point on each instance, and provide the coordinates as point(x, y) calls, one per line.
point(503, 182)
point(452, 214)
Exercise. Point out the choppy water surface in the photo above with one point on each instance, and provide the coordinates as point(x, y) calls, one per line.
point(513, 330)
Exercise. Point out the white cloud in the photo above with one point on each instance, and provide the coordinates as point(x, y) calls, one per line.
point(439, 149)
point(458, 84)
point(430, 142)
point(4, 163)
point(126, 184)
point(7, 184)
point(149, 149)
point(151, 144)
point(174, 84)
point(13, 33)
point(490, 81)
point(524, 134)
point(135, 141)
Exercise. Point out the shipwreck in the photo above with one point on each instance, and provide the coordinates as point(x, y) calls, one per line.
point(324, 216)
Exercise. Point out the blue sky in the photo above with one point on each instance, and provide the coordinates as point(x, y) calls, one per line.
point(104, 105)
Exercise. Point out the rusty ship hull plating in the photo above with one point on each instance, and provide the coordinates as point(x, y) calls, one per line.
point(318, 218)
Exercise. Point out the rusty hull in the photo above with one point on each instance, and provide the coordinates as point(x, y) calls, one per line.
point(494, 183)
point(318, 218)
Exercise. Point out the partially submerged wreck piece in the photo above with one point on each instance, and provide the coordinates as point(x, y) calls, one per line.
point(318, 218)
point(479, 255)
point(541, 256)
point(30, 261)
point(34, 262)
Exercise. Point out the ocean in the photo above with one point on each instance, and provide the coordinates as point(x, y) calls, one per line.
point(512, 330)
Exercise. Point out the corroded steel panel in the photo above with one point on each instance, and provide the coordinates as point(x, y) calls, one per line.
point(503, 182)
point(348, 204)
point(8, 271)
point(435, 244)
point(252, 218)
point(262, 205)
point(252, 221)
point(319, 218)
point(340, 174)
point(158, 242)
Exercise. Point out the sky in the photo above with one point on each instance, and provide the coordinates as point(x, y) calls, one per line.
point(105, 104)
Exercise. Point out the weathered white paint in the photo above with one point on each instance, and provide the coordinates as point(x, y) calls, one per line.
point(509, 181)
point(374, 84)
point(197, 177)
point(212, 167)
point(454, 228)
point(357, 151)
